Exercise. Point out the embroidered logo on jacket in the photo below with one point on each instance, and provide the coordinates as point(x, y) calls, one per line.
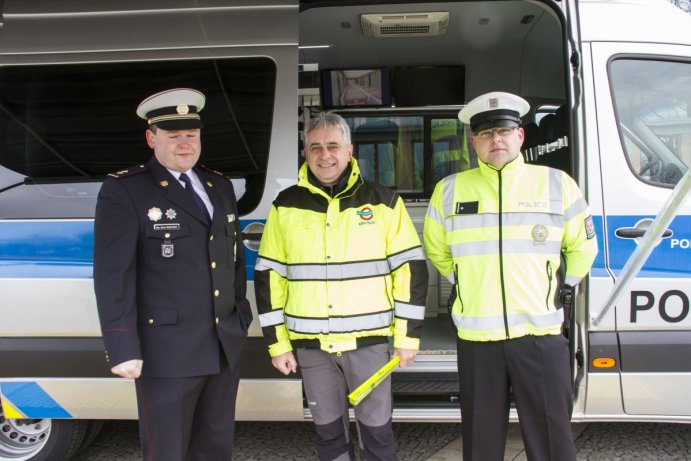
point(366, 215)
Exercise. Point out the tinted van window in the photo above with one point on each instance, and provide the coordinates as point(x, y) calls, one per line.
point(77, 122)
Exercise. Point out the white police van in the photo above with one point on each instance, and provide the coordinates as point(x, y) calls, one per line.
point(609, 83)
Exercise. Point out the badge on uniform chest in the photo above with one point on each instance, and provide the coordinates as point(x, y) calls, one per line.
point(167, 249)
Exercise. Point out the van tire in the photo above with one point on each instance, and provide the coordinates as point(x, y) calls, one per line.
point(40, 439)
point(92, 432)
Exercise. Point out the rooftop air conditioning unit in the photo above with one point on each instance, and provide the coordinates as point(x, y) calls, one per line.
point(404, 24)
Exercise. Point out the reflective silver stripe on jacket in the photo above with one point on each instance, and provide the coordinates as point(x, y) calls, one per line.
point(556, 185)
point(275, 317)
point(491, 247)
point(435, 215)
point(475, 221)
point(263, 264)
point(339, 271)
point(414, 254)
point(478, 221)
point(579, 206)
point(339, 324)
point(448, 194)
point(546, 320)
point(409, 311)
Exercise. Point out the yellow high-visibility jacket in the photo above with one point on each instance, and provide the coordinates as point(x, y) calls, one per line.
point(498, 235)
point(336, 269)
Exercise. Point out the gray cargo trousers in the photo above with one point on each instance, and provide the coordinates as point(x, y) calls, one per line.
point(328, 378)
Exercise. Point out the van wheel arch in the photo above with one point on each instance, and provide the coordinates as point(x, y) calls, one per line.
point(40, 439)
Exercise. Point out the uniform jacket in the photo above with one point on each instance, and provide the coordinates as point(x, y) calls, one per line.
point(169, 286)
point(500, 235)
point(339, 269)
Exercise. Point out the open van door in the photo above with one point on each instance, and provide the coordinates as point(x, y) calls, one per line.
point(642, 102)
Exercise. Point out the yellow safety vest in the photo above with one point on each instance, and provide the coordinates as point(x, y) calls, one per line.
point(340, 268)
point(499, 235)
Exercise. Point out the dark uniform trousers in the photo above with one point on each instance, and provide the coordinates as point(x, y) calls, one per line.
point(538, 371)
point(170, 288)
point(199, 416)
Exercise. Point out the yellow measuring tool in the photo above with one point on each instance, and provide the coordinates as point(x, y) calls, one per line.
point(364, 389)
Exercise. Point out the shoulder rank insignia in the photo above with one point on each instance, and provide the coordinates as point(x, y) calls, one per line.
point(205, 168)
point(129, 171)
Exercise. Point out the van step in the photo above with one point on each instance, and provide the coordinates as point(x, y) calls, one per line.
point(429, 384)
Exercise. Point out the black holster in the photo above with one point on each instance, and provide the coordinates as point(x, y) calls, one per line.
point(565, 298)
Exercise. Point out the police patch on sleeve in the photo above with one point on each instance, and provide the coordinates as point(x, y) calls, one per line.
point(589, 227)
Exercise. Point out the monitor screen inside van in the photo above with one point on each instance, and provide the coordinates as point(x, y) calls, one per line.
point(355, 88)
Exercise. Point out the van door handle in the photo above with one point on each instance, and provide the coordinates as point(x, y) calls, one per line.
point(252, 235)
point(635, 232)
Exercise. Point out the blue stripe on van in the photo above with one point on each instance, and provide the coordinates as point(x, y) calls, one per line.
point(64, 249)
point(59, 249)
point(46, 249)
point(30, 399)
point(670, 259)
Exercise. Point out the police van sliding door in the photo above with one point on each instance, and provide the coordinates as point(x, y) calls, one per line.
point(644, 130)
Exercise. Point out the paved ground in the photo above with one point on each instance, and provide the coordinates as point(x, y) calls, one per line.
point(419, 442)
point(605, 442)
point(291, 441)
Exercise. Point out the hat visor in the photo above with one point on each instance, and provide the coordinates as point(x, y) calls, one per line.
point(496, 123)
point(175, 125)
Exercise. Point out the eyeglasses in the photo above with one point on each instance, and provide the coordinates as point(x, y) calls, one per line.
point(489, 134)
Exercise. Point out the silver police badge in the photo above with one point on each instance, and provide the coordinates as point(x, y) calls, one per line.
point(171, 214)
point(155, 214)
point(539, 233)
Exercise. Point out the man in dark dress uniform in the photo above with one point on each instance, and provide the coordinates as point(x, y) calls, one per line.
point(169, 276)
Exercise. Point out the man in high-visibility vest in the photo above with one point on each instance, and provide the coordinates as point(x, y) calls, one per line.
point(498, 233)
point(340, 270)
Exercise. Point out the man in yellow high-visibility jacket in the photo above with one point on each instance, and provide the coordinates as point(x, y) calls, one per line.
point(340, 270)
point(498, 232)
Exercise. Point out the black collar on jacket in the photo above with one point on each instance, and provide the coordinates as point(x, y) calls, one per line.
point(337, 188)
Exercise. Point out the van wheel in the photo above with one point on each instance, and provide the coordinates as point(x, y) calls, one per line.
point(40, 439)
point(91, 433)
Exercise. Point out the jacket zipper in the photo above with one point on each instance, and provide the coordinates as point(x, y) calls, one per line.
point(458, 286)
point(548, 268)
point(501, 260)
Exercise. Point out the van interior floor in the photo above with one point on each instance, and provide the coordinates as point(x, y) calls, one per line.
point(438, 336)
point(432, 380)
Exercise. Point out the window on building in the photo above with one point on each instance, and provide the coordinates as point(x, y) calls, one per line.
point(410, 152)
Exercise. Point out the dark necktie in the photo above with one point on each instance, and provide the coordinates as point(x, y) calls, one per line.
point(195, 197)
